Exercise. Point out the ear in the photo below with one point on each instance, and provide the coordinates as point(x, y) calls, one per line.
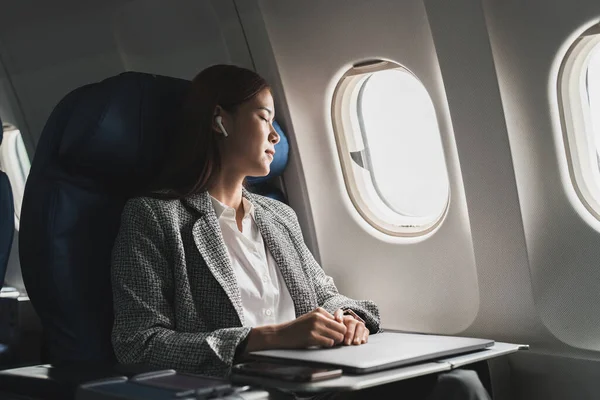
point(218, 111)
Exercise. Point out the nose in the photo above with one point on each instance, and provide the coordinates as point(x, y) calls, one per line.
point(274, 136)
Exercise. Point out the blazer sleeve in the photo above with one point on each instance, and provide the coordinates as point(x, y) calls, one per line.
point(328, 296)
point(143, 292)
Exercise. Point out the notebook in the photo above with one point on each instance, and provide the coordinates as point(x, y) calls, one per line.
point(384, 350)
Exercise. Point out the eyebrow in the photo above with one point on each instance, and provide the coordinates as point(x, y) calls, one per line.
point(267, 109)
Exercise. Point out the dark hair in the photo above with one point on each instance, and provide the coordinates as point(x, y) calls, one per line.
point(193, 159)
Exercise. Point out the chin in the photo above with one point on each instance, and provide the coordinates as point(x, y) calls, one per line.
point(260, 172)
point(265, 172)
point(266, 168)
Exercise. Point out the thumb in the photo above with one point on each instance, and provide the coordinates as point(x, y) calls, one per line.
point(339, 315)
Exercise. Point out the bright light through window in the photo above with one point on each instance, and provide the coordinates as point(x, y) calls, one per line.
point(390, 149)
point(579, 99)
point(403, 139)
point(593, 89)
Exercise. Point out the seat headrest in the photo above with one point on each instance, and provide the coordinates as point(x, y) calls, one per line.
point(118, 129)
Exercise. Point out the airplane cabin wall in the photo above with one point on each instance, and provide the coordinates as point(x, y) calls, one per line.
point(506, 310)
point(529, 41)
point(429, 284)
point(562, 237)
point(60, 47)
point(491, 92)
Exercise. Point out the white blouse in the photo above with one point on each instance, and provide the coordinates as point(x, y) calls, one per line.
point(265, 296)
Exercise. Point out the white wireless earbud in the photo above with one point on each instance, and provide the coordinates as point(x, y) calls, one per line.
point(219, 122)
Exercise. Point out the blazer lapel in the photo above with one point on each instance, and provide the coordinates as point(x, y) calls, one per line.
point(279, 243)
point(209, 240)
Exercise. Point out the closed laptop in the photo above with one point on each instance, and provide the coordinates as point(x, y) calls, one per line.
point(383, 351)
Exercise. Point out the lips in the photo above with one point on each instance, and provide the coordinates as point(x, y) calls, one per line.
point(270, 152)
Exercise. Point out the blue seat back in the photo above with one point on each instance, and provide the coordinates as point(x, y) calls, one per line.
point(7, 220)
point(102, 144)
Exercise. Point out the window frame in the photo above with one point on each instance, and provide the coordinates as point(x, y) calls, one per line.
point(575, 118)
point(346, 127)
point(14, 166)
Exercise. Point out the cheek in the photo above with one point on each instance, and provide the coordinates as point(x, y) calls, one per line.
point(246, 147)
point(252, 143)
point(250, 140)
point(257, 139)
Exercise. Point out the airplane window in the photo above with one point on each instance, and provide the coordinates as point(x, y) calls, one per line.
point(593, 90)
point(579, 98)
point(15, 162)
point(390, 148)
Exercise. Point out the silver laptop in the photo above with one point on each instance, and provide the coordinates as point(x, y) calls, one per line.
point(383, 351)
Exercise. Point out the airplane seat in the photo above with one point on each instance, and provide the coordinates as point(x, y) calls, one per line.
point(7, 218)
point(102, 144)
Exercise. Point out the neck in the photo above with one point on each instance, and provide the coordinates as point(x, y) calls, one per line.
point(228, 190)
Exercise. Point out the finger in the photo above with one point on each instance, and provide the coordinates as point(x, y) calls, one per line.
point(336, 336)
point(349, 321)
point(322, 311)
point(334, 325)
point(350, 332)
point(358, 333)
point(347, 336)
point(339, 315)
point(316, 339)
point(322, 319)
point(366, 336)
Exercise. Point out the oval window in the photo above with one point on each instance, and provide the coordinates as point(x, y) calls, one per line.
point(390, 149)
point(579, 99)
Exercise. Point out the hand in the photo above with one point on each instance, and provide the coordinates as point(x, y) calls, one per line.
point(356, 331)
point(316, 328)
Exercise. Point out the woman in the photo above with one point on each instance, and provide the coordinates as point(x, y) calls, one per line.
point(204, 271)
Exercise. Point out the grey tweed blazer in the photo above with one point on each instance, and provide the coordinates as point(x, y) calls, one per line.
point(176, 300)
